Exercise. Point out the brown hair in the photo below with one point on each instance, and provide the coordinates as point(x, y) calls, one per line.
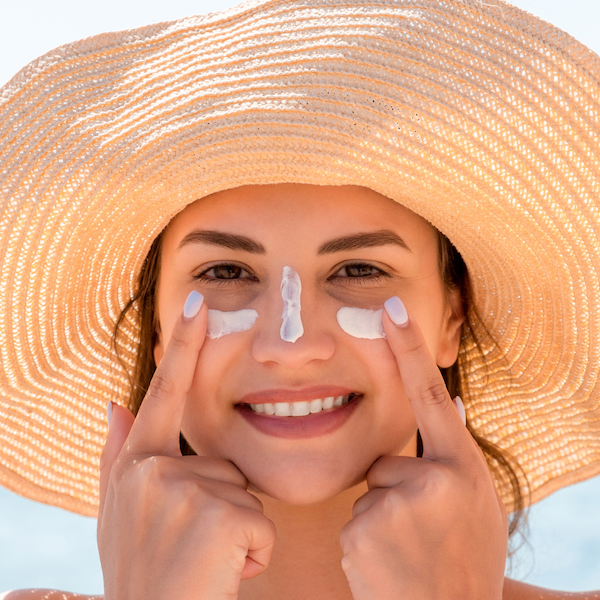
point(454, 276)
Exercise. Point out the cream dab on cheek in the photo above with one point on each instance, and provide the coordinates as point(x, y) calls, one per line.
point(291, 328)
point(361, 323)
point(222, 323)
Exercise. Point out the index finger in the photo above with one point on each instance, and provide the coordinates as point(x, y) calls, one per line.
point(158, 423)
point(439, 422)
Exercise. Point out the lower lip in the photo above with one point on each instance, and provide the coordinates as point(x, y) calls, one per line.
point(309, 426)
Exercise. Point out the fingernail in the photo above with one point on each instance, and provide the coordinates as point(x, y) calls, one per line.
point(193, 304)
point(109, 412)
point(461, 409)
point(396, 310)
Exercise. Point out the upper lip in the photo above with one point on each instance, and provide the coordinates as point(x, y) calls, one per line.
point(274, 396)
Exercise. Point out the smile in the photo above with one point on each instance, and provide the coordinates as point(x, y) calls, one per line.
point(301, 409)
point(311, 413)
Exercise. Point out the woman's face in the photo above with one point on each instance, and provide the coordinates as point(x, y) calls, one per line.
point(351, 247)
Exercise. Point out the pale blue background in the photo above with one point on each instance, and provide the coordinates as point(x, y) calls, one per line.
point(41, 546)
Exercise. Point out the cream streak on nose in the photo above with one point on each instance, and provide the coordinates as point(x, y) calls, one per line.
point(222, 323)
point(291, 328)
point(361, 323)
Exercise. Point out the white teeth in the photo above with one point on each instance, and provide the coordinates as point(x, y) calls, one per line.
point(316, 405)
point(300, 409)
point(283, 409)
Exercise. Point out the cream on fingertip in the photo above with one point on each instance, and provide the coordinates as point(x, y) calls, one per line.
point(193, 304)
point(461, 409)
point(396, 310)
point(109, 410)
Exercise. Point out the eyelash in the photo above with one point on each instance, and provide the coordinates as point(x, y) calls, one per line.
point(368, 279)
point(217, 281)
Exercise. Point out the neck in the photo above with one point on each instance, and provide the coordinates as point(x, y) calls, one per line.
point(306, 560)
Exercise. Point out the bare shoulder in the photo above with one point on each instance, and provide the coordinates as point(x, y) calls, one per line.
point(516, 590)
point(45, 595)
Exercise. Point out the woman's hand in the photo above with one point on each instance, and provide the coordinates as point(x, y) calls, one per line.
point(432, 527)
point(173, 526)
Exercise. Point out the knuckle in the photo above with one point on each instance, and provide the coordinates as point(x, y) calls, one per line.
point(393, 502)
point(347, 564)
point(434, 392)
point(414, 346)
point(270, 527)
point(435, 486)
point(162, 384)
point(349, 536)
point(178, 341)
point(258, 522)
point(217, 512)
point(152, 471)
point(437, 483)
point(394, 509)
point(194, 495)
point(357, 537)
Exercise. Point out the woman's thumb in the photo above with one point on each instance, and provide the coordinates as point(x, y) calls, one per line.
point(120, 421)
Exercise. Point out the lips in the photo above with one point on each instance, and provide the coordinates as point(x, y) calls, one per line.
point(299, 414)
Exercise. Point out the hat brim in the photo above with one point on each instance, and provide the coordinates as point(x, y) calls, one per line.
point(480, 118)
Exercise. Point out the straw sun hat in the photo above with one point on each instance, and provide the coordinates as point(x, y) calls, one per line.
point(476, 115)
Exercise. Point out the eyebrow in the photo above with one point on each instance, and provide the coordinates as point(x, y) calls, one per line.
point(225, 240)
point(241, 242)
point(363, 240)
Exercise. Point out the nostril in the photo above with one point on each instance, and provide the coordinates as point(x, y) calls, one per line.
point(316, 342)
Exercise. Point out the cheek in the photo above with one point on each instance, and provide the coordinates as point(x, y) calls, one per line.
point(390, 406)
point(386, 407)
point(430, 323)
point(427, 306)
point(209, 407)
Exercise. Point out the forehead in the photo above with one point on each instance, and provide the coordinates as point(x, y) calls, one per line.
point(292, 210)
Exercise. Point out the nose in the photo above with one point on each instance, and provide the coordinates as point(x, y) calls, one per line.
point(269, 346)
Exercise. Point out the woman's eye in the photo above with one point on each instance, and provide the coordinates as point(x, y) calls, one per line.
point(360, 272)
point(225, 271)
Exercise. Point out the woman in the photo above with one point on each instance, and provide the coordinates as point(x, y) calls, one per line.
point(289, 167)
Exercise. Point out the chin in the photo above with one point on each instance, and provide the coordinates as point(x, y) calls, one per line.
point(301, 496)
point(302, 486)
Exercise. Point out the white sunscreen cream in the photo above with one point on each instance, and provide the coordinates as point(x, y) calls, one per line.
point(361, 322)
point(291, 328)
point(222, 323)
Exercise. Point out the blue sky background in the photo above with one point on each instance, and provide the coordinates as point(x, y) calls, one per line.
point(42, 546)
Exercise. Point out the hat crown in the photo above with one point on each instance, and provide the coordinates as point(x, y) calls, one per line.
point(477, 116)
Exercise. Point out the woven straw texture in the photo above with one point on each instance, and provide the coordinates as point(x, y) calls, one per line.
point(477, 116)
